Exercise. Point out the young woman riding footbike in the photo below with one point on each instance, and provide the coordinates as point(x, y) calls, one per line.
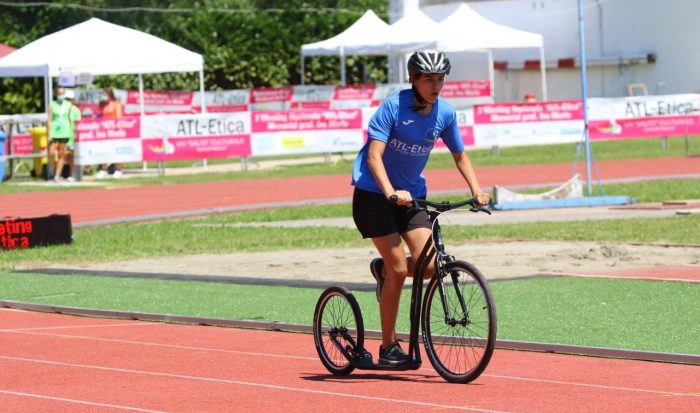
point(388, 180)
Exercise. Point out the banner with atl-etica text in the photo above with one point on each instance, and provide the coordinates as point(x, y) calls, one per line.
point(644, 116)
point(196, 136)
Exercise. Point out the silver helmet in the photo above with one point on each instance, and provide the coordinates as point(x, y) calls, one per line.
point(428, 62)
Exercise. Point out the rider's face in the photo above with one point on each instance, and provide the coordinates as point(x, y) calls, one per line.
point(429, 85)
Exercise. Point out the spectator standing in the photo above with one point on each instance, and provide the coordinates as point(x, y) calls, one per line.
point(111, 108)
point(61, 126)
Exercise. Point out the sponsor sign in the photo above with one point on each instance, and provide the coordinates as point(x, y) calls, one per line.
point(159, 101)
point(528, 123)
point(108, 140)
point(644, 116)
point(306, 131)
point(198, 136)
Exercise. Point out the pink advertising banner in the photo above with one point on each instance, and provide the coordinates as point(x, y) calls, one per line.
point(299, 120)
point(127, 127)
point(565, 110)
point(644, 127)
point(108, 140)
point(272, 94)
point(466, 89)
point(157, 101)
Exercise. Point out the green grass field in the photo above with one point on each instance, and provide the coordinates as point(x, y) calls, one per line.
point(629, 314)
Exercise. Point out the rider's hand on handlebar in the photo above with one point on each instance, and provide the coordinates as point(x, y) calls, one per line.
point(401, 197)
point(482, 198)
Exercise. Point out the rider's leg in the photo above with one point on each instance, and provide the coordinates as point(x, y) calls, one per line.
point(415, 240)
point(395, 270)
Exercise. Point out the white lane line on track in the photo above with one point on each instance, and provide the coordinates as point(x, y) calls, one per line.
point(76, 401)
point(173, 346)
point(136, 323)
point(315, 359)
point(252, 384)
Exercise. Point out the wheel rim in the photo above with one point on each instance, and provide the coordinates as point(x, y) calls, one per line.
point(460, 342)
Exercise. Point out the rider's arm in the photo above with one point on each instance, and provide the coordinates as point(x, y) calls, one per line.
point(376, 166)
point(464, 164)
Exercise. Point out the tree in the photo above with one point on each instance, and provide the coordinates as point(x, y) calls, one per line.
point(245, 43)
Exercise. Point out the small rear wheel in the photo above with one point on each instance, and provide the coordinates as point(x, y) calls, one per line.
point(338, 330)
point(459, 344)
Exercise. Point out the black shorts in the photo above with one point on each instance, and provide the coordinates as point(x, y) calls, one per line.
point(375, 216)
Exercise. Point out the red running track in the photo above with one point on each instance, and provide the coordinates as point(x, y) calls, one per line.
point(94, 205)
point(58, 363)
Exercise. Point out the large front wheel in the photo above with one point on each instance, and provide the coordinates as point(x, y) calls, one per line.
point(459, 323)
point(338, 329)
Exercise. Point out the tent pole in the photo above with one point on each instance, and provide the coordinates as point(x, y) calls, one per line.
point(201, 91)
point(543, 74)
point(302, 68)
point(342, 65)
point(492, 76)
point(141, 93)
point(48, 92)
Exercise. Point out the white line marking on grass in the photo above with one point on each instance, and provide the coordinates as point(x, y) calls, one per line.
point(75, 401)
point(252, 384)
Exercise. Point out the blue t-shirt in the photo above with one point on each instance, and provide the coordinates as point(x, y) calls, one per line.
point(409, 138)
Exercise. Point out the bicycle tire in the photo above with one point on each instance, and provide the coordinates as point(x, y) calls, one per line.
point(337, 321)
point(459, 352)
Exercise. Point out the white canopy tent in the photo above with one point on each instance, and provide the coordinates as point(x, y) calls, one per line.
point(462, 31)
point(363, 37)
point(466, 30)
point(100, 48)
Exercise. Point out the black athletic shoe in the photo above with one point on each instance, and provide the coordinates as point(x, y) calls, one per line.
point(375, 267)
point(393, 355)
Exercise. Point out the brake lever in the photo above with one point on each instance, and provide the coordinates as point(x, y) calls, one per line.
point(475, 209)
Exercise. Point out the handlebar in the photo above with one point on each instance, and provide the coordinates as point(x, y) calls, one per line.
point(445, 206)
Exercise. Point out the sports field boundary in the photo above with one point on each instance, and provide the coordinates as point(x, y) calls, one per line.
point(651, 356)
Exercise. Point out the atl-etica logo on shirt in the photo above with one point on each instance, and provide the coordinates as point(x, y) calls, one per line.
point(411, 149)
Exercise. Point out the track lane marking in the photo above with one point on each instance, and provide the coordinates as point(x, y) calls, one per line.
point(30, 329)
point(251, 384)
point(76, 401)
point(315, 359)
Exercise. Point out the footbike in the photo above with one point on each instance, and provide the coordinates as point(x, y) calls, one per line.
point(457, 314)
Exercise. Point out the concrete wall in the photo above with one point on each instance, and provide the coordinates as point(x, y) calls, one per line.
point(614, 29)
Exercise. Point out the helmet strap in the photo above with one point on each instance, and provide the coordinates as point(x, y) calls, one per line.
point(422, 103)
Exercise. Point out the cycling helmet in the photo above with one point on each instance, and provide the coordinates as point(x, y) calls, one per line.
point(428, 62)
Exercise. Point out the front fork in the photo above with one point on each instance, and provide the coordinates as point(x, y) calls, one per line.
point(441, 273)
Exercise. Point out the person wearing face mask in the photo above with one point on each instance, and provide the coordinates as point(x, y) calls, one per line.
point(61, 126)
point(110, 107)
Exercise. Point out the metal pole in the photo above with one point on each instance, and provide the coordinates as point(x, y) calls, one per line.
point(492, 76)
point(543, 74)
point(342, 65)
point(302, 67)
point(584, 96)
